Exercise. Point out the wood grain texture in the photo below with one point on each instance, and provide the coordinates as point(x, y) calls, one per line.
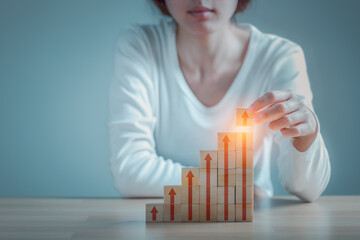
point(213, 156)
point(195, 215)
point(286, 217)
point(240, 115)
point(249, 177)
point(185, 179)
point(249, 194)
point(213, 195)
point(249, 159)
point(167, 213)
point(231, 159)
point(213, 177)
point(249, 212)
point(231, 142)
point(159, 212)
point(230, 195)
point(213, 212)
point(221, 213)
point(185, 195)
point(249, 140)
point(177, 197)
point(231, 177)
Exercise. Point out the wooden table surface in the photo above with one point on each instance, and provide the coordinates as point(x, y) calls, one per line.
point(330, 217)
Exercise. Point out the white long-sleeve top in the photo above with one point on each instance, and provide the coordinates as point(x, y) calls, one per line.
point(157, 125)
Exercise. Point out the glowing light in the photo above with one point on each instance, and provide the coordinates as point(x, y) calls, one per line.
point(243, 128)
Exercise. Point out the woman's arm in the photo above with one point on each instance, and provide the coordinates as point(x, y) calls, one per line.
point(303, 162)
point(135, 165)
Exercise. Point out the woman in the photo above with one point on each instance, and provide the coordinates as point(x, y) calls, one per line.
point(177, 83)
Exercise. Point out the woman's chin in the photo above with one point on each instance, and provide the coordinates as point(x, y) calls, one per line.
point(201, 29)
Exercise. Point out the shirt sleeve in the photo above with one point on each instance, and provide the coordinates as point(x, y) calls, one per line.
point(136, 168)
point(303, 174)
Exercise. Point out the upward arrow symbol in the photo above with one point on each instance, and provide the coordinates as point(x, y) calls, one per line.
point(172, 193)
point(226, 141)
point(245, 116)
point(244, 176)
point(208, 159)
point(154, 211)
point(190, 176)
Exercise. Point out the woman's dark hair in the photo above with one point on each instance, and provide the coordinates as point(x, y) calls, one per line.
point(241, 6)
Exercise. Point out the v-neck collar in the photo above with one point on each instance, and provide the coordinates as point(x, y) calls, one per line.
point(234, 85)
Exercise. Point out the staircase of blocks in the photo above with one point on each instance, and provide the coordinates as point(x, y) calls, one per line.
point(221, 189)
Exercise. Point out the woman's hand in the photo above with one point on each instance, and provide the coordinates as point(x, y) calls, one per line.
point(288, 114)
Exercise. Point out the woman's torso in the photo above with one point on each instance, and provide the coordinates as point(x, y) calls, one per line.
point(184, 124)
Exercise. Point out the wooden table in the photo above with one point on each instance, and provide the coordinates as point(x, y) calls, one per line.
point(330, 217)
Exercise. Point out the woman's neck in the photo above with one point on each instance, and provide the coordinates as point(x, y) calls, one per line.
point(200, 53)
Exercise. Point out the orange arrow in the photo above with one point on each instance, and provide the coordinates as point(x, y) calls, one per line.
point(245, 116)
point(172, 202)
point(190, 176)
point(244, 176)
point(208, 159)
point(226, 177)
point(154, 212)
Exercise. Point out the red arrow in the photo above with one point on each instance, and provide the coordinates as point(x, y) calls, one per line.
point(208, 159)
point(190, 176)
point(245, 116)
point(172, 202)
point(244, 176)
point(154, 212)
point(226, 177)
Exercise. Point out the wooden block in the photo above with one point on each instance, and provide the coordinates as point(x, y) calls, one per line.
point(249, 194)
point(249, 212)
point(195, 193)
point(230, 195)
point(172, 213)
point(244, 140)
point(226, 137)
point(231, 159)
point(193, 215)
point(249, 155)
point(243, 117)
point(208, 212)
point(154, 212)
point(190, 174)
point(230, 174)
point(230, 213)
point(212, 192)
point(172, 191)
point(213, 177)
point(204, 158)
point(249, 177)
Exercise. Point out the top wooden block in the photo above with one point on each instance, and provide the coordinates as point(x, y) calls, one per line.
point(226, 138)
point(212, 158)
point(243, 118)
point(172, 191)
point(190, 176)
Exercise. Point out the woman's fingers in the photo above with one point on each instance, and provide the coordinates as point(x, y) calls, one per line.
point(290, 119)
point(277, 110)
point(297, 131)
point(270, 98)
point(290, 115)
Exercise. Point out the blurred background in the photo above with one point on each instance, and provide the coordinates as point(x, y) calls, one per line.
point(56, 59)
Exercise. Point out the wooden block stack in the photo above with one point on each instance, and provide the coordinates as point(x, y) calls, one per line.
point(221, 189)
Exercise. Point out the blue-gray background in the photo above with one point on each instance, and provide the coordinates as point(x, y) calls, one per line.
point(56, 61)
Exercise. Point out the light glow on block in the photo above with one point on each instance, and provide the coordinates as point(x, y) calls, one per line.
point(243, 128)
